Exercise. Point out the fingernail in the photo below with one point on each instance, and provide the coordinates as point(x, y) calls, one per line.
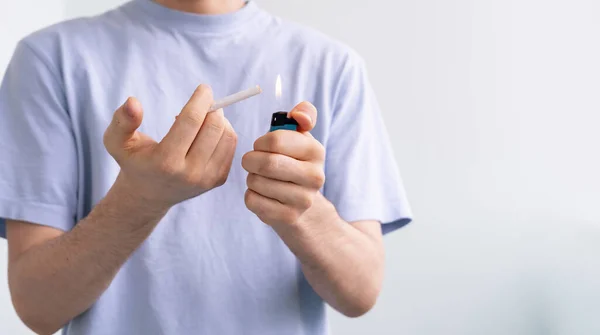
point(310, 118)
point(128, 110)
point(306, 113)
point(307, 108)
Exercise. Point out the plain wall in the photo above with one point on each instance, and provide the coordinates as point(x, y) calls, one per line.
point(493, 109)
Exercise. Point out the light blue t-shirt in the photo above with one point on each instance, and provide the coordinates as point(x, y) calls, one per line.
point(210, 266)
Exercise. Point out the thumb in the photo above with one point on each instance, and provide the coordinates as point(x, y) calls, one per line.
point(305, 114)
point(121, 134)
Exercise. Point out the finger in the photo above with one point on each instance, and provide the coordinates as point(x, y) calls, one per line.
point(208, 138)
point(222, 157)
point(188, 123)
point(305, 114)
point(284, 168)
point(284, 192)
point(121, 134)
point(268, 210)
point(291, 143)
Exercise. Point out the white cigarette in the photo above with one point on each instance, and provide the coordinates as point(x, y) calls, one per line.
point(236, 97)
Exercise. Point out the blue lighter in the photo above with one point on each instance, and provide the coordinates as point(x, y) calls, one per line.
point(279, 120)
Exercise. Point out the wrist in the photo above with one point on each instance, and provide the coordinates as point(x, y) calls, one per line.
point(321, 215)
point(126, 199)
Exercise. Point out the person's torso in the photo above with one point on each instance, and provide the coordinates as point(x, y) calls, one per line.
point(210, 266)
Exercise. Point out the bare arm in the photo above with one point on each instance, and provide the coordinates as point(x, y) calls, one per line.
point(55, 276)
point(343, 262)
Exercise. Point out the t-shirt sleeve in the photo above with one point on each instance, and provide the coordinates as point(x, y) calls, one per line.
point(38, 157)
point(362, 177)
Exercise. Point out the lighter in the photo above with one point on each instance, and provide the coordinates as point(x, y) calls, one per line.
point(280, 120)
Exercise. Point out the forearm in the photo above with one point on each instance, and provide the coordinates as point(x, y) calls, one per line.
point(343, 264)
point(55, 281)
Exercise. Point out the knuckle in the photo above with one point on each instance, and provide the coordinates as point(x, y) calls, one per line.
point(213, 181)
point(106, 141)
point(215, 123)
point(250, 201)
point(275, 142)
point(305, 201)
point(192, 176)
point(270, 164)
point(194, 117)
point(250, 180)
point(225, 169)
point(169, 167)
point(246, 159)
point(231, 136)
point(247, 199)
point(316, 179)
point(319, 151)
point(254, 205)
point(214, 127)
point(221, 179)
point(204, 183)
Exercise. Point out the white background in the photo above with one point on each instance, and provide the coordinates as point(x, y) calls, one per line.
point(492, 106)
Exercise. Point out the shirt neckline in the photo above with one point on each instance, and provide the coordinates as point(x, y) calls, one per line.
point(242, 19)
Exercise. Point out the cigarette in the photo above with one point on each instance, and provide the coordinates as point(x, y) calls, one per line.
point(236, 97)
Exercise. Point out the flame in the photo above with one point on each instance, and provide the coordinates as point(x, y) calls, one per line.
point(278, 87)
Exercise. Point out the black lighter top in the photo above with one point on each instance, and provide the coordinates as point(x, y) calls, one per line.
point(279, 120)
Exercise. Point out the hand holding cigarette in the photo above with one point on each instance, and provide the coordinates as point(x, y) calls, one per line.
point(194, 157)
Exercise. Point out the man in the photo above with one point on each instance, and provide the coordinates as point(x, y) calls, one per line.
point(191, 222)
